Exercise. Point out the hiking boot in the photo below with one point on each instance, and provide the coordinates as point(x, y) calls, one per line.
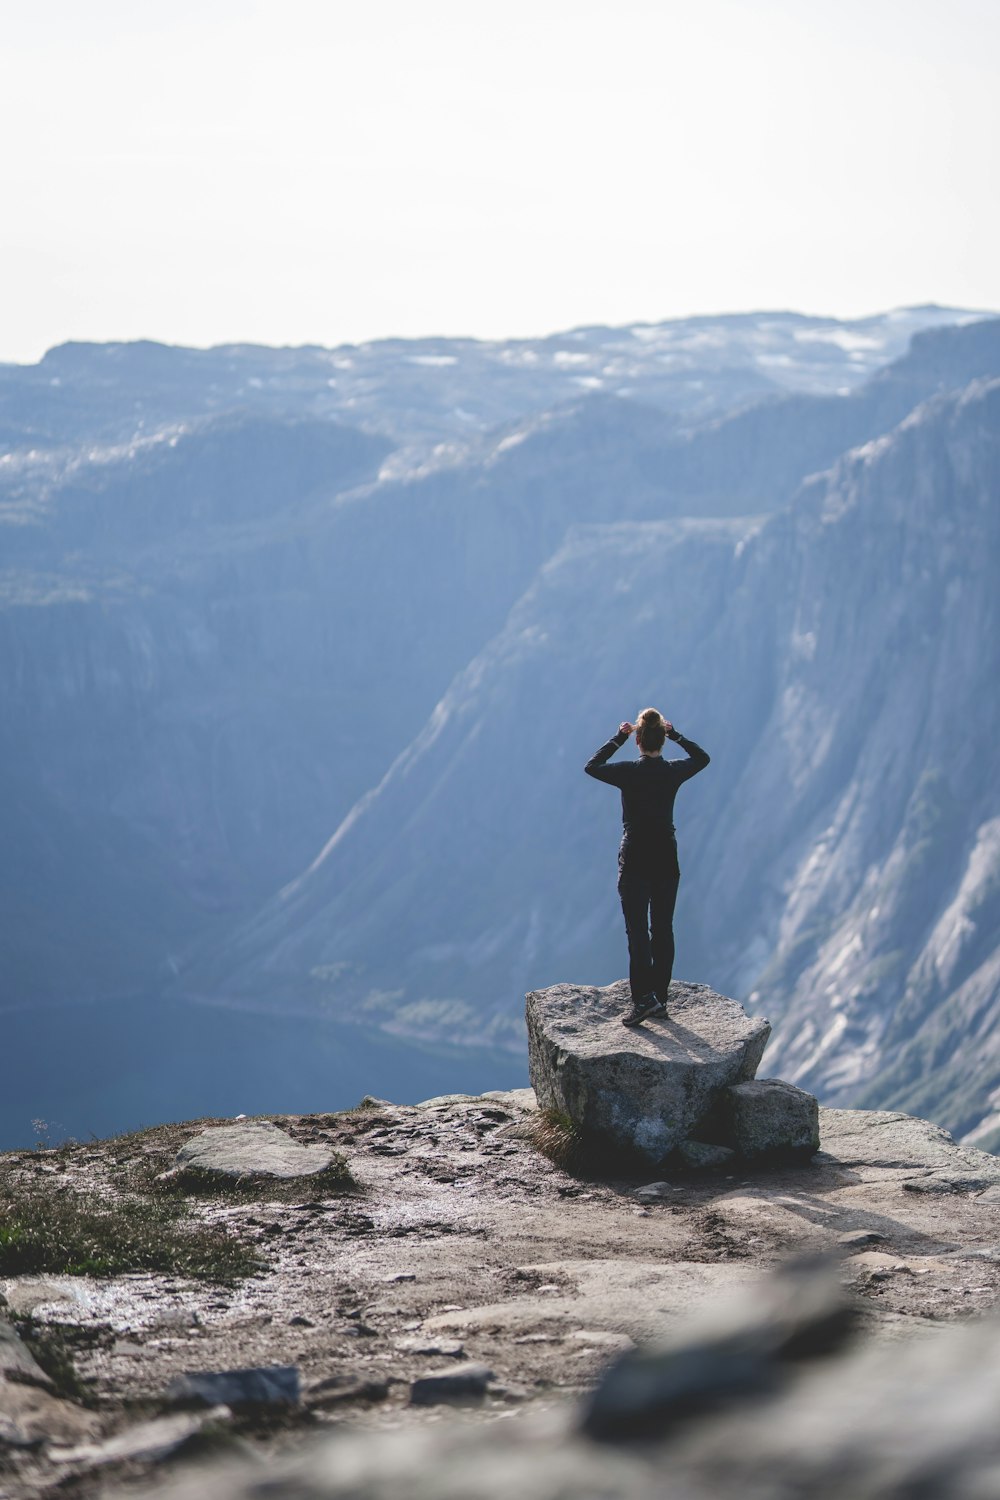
point(639, 1010)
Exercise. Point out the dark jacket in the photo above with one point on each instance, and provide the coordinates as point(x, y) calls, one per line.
point(648, 787)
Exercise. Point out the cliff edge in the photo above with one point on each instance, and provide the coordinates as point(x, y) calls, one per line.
point(432, 1254)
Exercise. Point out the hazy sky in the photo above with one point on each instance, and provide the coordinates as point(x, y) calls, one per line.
point(313, 171)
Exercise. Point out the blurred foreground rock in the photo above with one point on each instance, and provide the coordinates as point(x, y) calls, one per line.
point(763, 1398)
point(741, 1346)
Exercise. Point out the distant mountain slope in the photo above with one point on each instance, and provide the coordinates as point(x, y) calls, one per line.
point(838, 660)
point(168, 731)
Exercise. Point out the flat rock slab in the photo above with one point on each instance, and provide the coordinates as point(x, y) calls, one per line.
point(642, 1089)
point(879, 1139)
point(25, 1294)
point(254, 1149)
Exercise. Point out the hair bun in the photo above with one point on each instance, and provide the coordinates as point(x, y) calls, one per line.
point(651, 731)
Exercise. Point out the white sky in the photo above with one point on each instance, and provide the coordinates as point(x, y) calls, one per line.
point(315, 171)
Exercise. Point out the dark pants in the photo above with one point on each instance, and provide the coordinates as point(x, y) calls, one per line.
point(648, 892)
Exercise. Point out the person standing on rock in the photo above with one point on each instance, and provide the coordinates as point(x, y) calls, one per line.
point(648, 872)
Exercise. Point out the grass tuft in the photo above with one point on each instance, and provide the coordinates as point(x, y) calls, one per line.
point(59, 1231)
point(120, 1205)
point(554, 1134)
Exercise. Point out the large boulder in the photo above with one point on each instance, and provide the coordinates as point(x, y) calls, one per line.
point(644, 1089)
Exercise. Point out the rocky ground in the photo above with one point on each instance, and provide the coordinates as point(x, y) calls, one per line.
point(457, 1249)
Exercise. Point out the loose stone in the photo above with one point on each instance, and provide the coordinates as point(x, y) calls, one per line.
point(269, 1385)
point(463, 1386)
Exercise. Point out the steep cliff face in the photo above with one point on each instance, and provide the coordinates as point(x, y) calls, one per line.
point(839, 855)
point(883, 849)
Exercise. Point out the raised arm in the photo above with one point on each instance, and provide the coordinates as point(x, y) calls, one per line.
point(697, 759)
point(596, 764)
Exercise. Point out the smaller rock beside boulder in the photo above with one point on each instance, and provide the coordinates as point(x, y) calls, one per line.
point(767, 1119)
point(253, 1149)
